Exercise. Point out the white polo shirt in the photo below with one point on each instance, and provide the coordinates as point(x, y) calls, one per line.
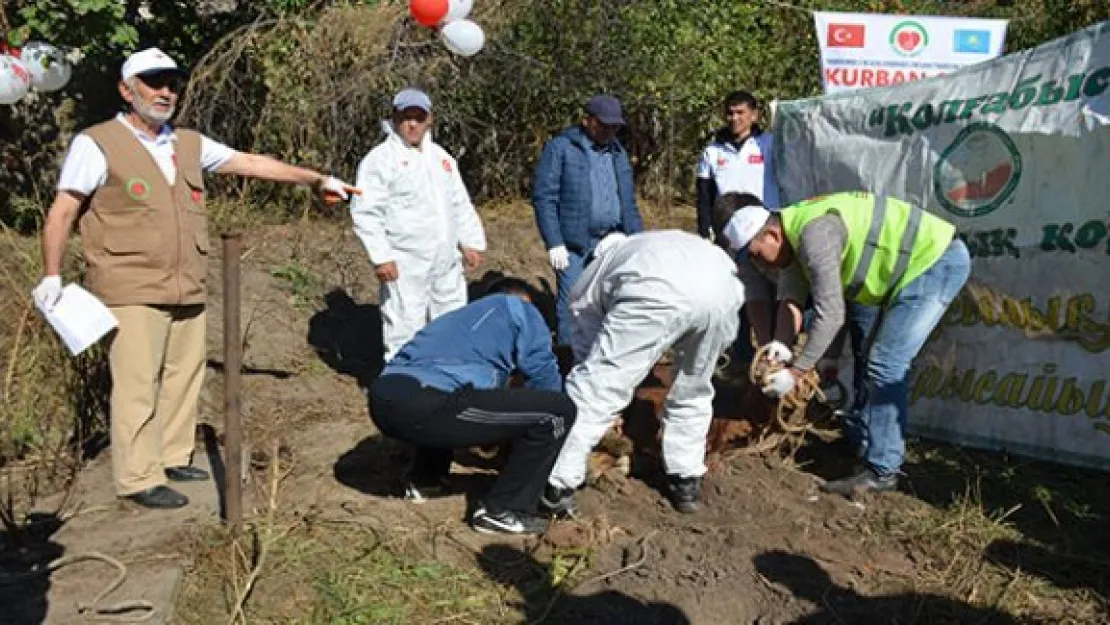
point(86, 168)
point(749, 169)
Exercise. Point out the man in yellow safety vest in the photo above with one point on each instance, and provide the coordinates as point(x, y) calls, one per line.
point(897, 267)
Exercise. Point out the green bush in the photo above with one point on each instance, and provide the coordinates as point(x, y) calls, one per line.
point(309, 82)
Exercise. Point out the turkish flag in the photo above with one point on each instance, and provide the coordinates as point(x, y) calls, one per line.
point(845, 36)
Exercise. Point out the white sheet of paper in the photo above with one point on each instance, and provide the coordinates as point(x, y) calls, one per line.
point(80, 319)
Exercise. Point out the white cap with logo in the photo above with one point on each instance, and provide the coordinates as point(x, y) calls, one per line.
point(744, 225)
point(147, 61)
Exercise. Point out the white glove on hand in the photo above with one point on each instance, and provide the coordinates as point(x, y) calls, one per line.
point(777, 351)
point(47, 293)
point(560, 260)
point(332, 188)
point(779, 384)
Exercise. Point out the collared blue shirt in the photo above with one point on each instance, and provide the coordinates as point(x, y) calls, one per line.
point(605, 213)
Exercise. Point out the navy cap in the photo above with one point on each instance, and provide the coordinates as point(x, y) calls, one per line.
point(408, 98)
point(606, 109)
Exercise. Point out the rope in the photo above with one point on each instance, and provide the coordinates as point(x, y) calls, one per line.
point(791, 411)
point(113, 613)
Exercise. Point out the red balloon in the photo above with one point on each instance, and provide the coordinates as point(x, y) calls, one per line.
point(428, 12)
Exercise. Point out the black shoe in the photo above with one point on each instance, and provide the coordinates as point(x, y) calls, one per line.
point(418, 490)
point(684, 493)
point(862, 482)
point(507, 522)
point(559, 501)
point(186, 474)
point(159, 497)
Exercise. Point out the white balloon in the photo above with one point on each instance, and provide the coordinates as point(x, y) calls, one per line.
point(15, 80)
point(463, 37)
point(457, 10)
point(49, 68)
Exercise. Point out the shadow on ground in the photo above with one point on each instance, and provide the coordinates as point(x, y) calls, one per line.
point(378, 465)
point(348, 336)
point(25, 554)
point(1060, 512)
point(806, 580)
point(1063, 571)
point(509, 565)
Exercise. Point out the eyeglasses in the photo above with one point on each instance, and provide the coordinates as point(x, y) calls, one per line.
point(160, 80)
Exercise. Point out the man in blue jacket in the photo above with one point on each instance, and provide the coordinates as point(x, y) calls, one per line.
point(582, 191)
point(447, 388)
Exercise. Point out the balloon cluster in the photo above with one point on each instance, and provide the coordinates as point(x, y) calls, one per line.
point(36, 64)
point(460, 35)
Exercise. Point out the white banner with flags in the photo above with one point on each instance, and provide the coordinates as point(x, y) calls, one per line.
point(1014, 151)
point(860, 50)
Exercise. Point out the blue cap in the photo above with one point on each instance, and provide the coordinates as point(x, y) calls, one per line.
point(408, 98)
point(606, 109)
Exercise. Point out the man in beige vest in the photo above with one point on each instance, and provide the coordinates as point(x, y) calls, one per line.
point(136, 185)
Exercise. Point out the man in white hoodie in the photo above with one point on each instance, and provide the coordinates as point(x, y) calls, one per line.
point(637, 297)
point(417, 222)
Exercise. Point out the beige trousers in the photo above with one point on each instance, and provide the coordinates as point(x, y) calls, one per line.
point(157, 358)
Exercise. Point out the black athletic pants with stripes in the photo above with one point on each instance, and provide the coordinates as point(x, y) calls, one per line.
point(437, 422)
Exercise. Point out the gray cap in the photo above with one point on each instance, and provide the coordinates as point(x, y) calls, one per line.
point(606, 109)
point(408, 98)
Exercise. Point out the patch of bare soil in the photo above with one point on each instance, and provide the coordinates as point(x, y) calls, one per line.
point(970, 538)
point(765, 547)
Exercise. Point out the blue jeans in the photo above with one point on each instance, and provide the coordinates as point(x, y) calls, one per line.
point(564, 282)
point(879, 414)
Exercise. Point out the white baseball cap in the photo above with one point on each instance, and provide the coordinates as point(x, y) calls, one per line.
point(408, 98)
point(147, 61)
point(744, 225)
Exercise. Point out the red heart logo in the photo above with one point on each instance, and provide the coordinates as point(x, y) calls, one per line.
point(908, 39)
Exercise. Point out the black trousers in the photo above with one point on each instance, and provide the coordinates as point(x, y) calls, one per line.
point(437, 422)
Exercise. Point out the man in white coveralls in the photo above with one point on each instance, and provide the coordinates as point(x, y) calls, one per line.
point(416, 221)
point(638, 297)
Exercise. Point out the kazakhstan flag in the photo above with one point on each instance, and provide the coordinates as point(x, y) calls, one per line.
point(972, 41)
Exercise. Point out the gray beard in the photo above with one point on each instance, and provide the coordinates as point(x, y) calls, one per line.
point(148, 114)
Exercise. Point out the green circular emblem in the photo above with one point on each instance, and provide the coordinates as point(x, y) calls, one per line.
point(978, 171)
point(909, 38)
point(138, 189)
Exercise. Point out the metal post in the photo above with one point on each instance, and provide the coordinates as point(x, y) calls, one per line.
point(233, 357)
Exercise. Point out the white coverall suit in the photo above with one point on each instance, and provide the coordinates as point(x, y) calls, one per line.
point(641, 296)
point(414, 210)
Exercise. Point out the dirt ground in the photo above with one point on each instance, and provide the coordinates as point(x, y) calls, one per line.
point(970, 538)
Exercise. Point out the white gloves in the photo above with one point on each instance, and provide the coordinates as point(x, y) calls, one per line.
point(560, 260)
point(779, 384)
point(777, 351)
point(333, 187)
point(47, 293)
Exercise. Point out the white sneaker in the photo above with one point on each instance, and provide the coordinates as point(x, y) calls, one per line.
point(423, 492)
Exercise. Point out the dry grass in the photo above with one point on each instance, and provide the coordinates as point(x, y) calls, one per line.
point(997, 544)
point(334, 569)
point(51, 404)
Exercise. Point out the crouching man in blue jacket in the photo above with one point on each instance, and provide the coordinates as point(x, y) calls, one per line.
point(447, 388)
